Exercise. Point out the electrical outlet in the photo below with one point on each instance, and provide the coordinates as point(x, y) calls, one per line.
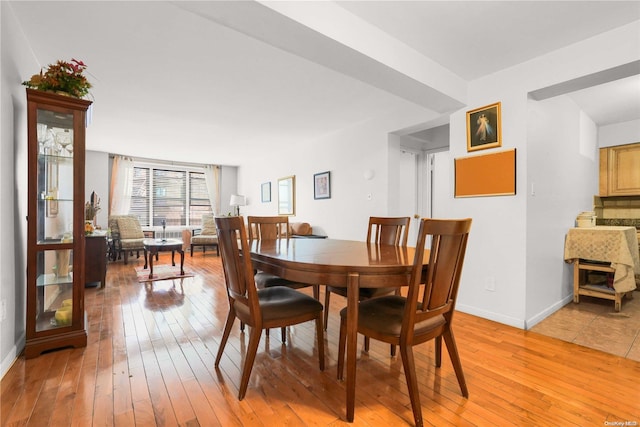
point(490, 284)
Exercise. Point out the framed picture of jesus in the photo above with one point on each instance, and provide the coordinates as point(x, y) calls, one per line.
point(484, 128)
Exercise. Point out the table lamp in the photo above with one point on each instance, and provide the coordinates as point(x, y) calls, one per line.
point(237, 201)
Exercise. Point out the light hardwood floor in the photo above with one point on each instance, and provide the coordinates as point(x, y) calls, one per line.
point(150, 353)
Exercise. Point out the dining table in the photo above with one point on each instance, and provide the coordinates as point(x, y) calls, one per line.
point(341, 263)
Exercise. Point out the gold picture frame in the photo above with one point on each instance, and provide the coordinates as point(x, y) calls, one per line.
point(484, 127)
point(287, 195)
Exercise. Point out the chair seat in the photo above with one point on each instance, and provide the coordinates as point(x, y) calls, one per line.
point(384, 314)
point(267, 280)
point(365, 293)
point(281, 302)
point(204, 240)
point(132, 243)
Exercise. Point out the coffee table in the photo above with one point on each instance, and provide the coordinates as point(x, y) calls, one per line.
point(153, 246)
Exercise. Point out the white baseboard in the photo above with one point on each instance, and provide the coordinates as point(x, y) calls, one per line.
point(12, 356)
point(490, 315)
point(530, 323)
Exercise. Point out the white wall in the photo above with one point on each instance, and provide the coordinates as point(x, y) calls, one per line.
point(619, 134)
point(562, 180)
point(97, 179)
point(16, 64)
point(347, 155)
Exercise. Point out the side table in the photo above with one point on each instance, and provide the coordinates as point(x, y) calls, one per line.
point(153, 246)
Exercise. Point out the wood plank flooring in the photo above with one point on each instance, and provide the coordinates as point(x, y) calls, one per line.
point(150, 353)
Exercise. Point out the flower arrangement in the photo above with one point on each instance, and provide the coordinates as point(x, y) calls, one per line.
point(62, 76)
point(92, 207)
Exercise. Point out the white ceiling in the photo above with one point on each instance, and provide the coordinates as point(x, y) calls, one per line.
point(197, 76)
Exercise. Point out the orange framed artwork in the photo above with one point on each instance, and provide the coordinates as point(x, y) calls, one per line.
point(484, 128)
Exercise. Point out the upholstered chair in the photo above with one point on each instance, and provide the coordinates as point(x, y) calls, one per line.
point(127, 235)
point(207, 236)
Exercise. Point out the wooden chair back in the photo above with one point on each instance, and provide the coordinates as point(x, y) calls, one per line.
point(439, 293)
point(388, 231)
point(238, 271)
point(268, 227)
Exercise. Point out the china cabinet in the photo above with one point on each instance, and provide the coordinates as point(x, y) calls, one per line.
point(55, 231)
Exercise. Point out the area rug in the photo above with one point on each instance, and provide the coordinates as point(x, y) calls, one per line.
point(161, 272)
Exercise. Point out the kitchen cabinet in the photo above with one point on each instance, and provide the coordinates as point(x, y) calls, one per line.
point(620, 170)
point(55, 222)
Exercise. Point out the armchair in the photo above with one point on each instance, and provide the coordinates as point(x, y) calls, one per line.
point(207, 235)
point(127, 236)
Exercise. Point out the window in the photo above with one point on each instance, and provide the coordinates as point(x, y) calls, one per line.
point(177, 195)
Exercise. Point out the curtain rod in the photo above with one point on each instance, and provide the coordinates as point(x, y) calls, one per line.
point(162, 162)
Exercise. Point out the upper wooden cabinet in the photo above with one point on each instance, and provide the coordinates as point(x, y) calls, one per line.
point(620, 170)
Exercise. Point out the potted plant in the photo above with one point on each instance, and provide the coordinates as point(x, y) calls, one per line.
point(62, 77)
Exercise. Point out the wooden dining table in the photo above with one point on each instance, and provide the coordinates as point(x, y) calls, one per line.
point(342, 263)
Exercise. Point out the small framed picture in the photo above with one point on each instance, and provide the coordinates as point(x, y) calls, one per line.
point(484, 128)
point(322, 185)
point(266, 192)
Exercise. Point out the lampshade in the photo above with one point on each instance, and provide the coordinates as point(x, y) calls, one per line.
point(237, 200)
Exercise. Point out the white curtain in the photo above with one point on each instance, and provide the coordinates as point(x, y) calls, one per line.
point(121, 185)
point(212, 178)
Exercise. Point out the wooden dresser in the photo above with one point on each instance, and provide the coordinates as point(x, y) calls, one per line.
point(95, 259)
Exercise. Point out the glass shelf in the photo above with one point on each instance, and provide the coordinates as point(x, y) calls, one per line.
point(53, 279)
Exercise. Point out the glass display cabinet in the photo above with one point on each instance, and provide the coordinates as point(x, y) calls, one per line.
point(55, 231)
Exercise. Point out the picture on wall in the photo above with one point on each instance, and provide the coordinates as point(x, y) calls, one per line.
point(322, 185)
point(484, 128)
point(266, 192)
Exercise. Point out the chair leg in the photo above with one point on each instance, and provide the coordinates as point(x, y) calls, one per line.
point(250, 357)
point(327, 295)
point(455, 360)
point(283, 334)
point(438, 350)
point(191, 251)
point(316, 292)
point(366, 344)
point(126, 257)
point(225, 335)
point(392, 352)
point(320, 334)
point(408, 364)
point(342, 341)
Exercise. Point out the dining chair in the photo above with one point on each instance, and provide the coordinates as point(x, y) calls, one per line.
point(274, 228)
point(273, 307)
point(270, 228)
point(383, 231)
point(426, 312)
